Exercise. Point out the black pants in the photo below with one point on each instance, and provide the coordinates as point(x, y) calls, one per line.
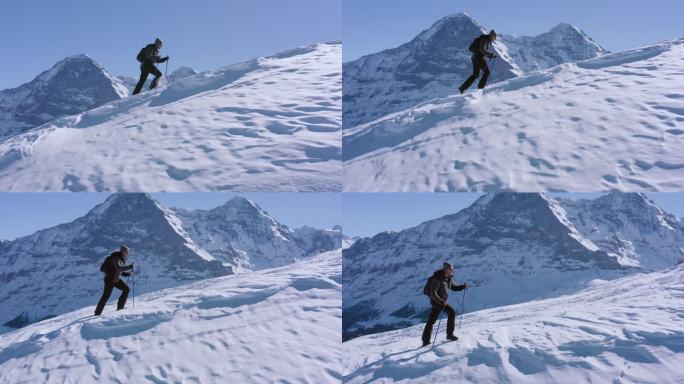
point(479, 64)
point(145, 70)
point(434, 315)
point(108, 288)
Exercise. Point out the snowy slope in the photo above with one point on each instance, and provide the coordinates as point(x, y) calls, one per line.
point(437, 61)
point(75, 84)
point(268, 124)
point(278, 325)
point(624, 331)
point(614, 122)
point(510, 248)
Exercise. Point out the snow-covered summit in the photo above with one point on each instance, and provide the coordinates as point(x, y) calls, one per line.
point(268, 124)
point(181, 73)
point(563, 43)
point(437, 61)
point(73, 85)
point(70, 255)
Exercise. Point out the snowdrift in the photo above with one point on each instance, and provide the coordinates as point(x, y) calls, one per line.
point(277, 325)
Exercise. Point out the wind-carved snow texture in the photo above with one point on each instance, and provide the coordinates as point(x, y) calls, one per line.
point(268, 124)
point(56, 270)
point(611, 123)
point(628, 330)
point(437, 61)
point(510, 248)
point(275, 325)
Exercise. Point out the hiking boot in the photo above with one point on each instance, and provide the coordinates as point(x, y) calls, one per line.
point(425, 343)
point(461, 90)
point(452, 338)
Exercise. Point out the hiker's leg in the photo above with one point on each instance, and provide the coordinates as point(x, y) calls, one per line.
point(157, 74)
point(476, 72)
point(485, 75)
point(124, 294)
point(434, 314)
point(451, 319)
point(141, 81)
point(105, 296)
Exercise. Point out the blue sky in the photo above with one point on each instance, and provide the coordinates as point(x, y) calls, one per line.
point(366, 214)
point(203, 34)
point(25, 213)
point(370, 26)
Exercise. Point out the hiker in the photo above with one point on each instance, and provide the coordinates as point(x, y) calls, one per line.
point(114, 267)
point(439, 286)
point(148, 58)
point(480, 48)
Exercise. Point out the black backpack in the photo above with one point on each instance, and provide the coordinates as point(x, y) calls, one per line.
point(106, 266)
point(426, 288)
point(141, 54)
point(474, 45)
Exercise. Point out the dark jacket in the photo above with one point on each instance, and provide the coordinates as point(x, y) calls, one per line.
point(118, 268)
point(482, 47)
point(439, 289)
point(151, 56)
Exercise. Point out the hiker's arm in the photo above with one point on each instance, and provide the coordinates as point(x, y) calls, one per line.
point(433, 292)
point(117, 267)
point(127, 267)
point(484, 51)
point(151, 56)
point(459, 287)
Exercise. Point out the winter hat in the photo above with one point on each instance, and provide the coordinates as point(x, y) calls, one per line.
point(158, 41)
point(492, 33)
point(123, 248)
point(447, 265)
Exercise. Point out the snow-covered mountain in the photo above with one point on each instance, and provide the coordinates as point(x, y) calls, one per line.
point(56, 270)
point(73, 85)
point(243, 236)
point(268, 124)
point(437, 61)
point(564, 43)
point(624, 331)
point(169, 247)
point(279, 325)
point(181, 73)
point(610, 123)
point(510, 248)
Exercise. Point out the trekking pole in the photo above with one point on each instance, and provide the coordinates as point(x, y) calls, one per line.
point(437, 332)
point(440, 314)
point(133, 276)
point(166, 68)
point(460, 318)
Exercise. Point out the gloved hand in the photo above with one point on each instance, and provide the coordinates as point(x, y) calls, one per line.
point(492, 56)
point(163, 59)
